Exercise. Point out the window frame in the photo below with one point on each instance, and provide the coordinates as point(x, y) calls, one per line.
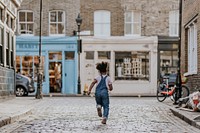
point(192, 49)
point(100, 24)
point(57, 22)
point(25, 22)
point(133, 22)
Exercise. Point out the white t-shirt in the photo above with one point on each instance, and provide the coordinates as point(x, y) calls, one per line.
point(108, 80)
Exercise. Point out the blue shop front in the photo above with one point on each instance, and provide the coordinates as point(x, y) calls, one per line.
point(59, 62)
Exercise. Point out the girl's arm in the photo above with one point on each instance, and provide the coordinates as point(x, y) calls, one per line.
point(91, 86)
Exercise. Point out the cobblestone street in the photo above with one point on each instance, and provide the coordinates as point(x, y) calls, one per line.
point(78, 114)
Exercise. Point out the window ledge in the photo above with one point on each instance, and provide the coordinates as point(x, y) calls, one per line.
point(190, 73)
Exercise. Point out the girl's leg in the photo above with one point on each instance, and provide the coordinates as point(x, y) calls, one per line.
point(105, 103)
point(98, 104)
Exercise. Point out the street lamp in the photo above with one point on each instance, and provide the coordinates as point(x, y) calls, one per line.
point(178, 78)
point(39, 73)
point(79, 49)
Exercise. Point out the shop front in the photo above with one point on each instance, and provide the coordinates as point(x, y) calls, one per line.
point(59, 62)
point(132, 63)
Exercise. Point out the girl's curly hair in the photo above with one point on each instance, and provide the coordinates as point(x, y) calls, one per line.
point(101, 67)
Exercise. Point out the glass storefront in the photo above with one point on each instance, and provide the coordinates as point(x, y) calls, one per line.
point(27, 65)
point(132, 65)
point(55, 71)
point(168, 62)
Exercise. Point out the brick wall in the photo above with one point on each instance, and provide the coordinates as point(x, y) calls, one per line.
point(154, 13)
point(70, 7)
point(190, 9)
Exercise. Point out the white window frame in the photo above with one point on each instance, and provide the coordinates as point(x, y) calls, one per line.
point(102, 23)
point(174, 23)
point(25, 22)
point(62, 22)
point(192, 49)
point(133, 22)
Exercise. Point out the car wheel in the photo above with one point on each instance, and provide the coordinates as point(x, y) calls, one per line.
point(20, 91)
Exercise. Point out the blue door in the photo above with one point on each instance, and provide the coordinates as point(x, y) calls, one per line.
point(69, 73)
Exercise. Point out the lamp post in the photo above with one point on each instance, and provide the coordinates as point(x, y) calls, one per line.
point(79, 50)
point(39, 73)
point(178, 78)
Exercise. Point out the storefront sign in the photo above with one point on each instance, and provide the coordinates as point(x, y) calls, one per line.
point(28, 46)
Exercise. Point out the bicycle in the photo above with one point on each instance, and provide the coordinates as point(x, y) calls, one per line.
point(166, 89)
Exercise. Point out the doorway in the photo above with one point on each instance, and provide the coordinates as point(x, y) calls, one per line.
point(55, 77)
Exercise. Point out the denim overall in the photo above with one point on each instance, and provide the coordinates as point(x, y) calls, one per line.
point(102, 97)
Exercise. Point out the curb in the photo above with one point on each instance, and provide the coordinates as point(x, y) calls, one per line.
point(10, 119)
point(186, 118)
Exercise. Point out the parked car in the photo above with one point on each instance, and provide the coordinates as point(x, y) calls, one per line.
point(24, 85)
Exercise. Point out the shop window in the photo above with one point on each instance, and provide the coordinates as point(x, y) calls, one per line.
point(36, 64)
point(132, 23)
point(132, 65)
point(168, 62)
point(18, 62)
point(89, 55)
point(1, 46)
point(103, 55)
point(55, 55)
point(174, 23)
point(57, 22)
point(102, 23)
point(26, 22)
point(28, 66)
point(69, 55)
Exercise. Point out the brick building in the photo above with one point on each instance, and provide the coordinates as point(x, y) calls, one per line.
point(126, 33)
point(8, 16)
point(190, 42)
point(59, 50)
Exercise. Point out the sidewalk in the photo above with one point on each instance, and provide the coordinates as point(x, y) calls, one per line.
point(13, 109)
point(187, 115)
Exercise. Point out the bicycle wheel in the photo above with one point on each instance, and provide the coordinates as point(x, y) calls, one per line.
point(160, 97)
point(184, 93)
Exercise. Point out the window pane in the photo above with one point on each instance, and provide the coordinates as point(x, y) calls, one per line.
point(53, 29)
point(27, 65)
point(22, 16)
point(53, 16)
point(55, 55)
point(29, 28)
point(128, 29)
point(60, 29)
point(29, 17)
point(69, 55)
point(103, 55)
point(136, 17)
point(136, 29)
point(132, 65)
point(60, 17)
point(89, 55)
point(128, 17)
point(18, 70)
